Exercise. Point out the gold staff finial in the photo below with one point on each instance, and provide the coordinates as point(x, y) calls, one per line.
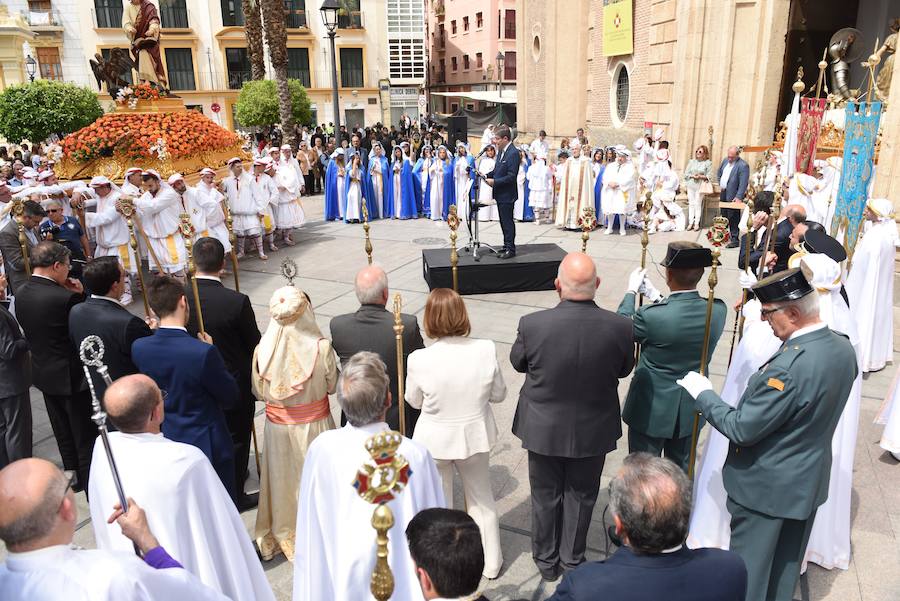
point(379, 481)
point(365, 212)
point(646, 207)
point(453, 222)
point(398, 337)
point(289, 270)
point(187, 232)
point(18, 211)
point(587, 222)
point(718, 236)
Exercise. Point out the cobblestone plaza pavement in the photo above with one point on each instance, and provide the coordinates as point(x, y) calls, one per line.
point(328, 256)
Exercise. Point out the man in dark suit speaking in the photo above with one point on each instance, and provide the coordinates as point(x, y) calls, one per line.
point(650, 501)
point(506, 191)
point(568, 417)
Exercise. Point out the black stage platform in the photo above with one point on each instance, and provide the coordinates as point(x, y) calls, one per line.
point(533, 268)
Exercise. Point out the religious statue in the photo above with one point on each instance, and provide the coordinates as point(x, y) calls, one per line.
point(141, 23)
point(112, 71)
point(883, 81)
point(842, 52)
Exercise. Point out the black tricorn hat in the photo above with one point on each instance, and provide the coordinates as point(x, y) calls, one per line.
point(786, 285)
point(821, 243)
point(687, 255)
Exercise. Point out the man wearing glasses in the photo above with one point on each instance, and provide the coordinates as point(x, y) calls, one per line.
point(779, 458)
point(42, 308)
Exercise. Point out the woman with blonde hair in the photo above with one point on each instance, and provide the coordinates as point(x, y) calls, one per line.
point(697, 176)
point(293, 372)
point(457, 424)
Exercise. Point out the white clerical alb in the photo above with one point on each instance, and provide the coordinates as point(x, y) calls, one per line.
point(188, 510)
point(335, 544)
point(64, 572)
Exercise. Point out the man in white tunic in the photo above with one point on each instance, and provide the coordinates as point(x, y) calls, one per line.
point(246, 212)
point(266, 192)
point(111, 231)
point(870, 285)
point(38, 516)
point(288, 214)
point(190, 201)
point(576, 190)
point(192, 514)
point(335, 545)
point(617, 194)
point(160, 210)
point(210, 198)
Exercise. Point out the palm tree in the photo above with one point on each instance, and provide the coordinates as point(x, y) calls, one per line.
point(276, 39)
point(253, 28)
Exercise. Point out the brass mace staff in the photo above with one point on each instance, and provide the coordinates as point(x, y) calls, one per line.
point(229, 223)
point(18, 211)
point(187, 232)
point(718, 236)
point(126, 205)
point(453, 222)
point(398, 337)
point(587, 222)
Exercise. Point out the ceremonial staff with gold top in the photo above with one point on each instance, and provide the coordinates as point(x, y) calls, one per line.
point(229, 223)
point(187, 232)
point(453, 223)
point(771, 227)
point(18, 211)
point(365, 214)
point(718, 236)
point(587, 222)
point(401, 379)
point(646, 207)
point(126, 206)
point(738, 333)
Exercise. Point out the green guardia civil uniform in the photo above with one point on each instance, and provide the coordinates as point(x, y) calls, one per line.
point(659, 412)
point(777, 470)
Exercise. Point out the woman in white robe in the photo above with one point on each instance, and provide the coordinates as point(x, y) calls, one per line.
point(288, 212)
point(462, 183)
point(437, 173)
point(618, 190)
point(485, 192)
point(353, 212)
point(870, 285)
point(889, 417)
point(539, 182)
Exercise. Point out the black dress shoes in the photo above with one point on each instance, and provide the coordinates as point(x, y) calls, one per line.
point(506, 255)
point(550, 574)
point(247, 502)
point(733, 244)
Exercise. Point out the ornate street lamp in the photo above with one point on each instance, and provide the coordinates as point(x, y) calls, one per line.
point(30, 67)
point(329, 10)
point(500, 59)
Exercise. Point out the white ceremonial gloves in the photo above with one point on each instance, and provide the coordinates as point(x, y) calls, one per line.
point(694, 383)
point(649, 290)
point(747, 279)
point(636, 279)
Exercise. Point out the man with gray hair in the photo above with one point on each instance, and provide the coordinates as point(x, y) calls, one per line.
point(371, 328)
point(650, 502)
point(332, 559)
point(778, 466)
point(568, 418)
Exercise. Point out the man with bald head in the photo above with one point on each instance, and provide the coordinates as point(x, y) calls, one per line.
point(568, 418)
point(38, 515)
point(371, 328)
point(192, 513)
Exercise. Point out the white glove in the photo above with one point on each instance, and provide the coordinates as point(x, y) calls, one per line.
point(636, 279)
point(694, 383)
point(747, 279)
point(650, 291)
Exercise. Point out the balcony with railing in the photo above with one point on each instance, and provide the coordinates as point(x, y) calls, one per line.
point(236, 78)
point(351, 20)
point(174, 15)
point(440, 77)
point(44, 20)
point(440, 41)
point(294, 19)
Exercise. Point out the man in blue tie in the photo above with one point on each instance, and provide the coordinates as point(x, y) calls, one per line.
point(506, 191)
point(199, 388)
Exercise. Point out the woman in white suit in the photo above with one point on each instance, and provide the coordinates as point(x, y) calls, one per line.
point(457, 423)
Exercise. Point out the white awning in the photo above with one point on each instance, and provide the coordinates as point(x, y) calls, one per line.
point(508, 97)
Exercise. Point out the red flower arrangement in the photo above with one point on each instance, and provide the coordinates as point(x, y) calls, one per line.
point(145, 91)
point(131, 135)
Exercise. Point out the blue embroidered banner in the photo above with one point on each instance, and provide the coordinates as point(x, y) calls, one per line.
point(860, 133)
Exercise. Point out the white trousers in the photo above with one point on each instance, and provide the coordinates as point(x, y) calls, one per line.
point(695, 206)
point(476, 480)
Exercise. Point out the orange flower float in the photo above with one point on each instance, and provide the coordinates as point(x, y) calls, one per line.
point(132, 135)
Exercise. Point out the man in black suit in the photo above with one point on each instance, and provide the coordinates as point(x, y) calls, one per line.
point(568, 417)
point(12, 250)
point(371, 328)
point(103, 315)
point(777, 258)
point(733, 176)
point(43, 304)
point(650, 501)
point(506, 191)
point(229, 319)
point(15, 378)
point(445, 546)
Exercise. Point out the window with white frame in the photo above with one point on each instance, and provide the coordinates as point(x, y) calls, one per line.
point(407, 58)
point(405, 16)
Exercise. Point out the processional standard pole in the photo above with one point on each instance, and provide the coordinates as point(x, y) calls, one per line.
point(453, 223)
point(229, 223)
point(718, 236)
point(587, 222)
point(126, 204)
point(398, 337)
point(365, 213)
point(90, 352)
point(646, 207)
point(18, 211)
point(187, 232)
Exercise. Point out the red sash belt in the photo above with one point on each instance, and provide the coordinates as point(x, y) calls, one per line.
point(298, 414)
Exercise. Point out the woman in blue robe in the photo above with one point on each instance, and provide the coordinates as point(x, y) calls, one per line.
point(443, 193)
point(402, 187)
point(598, 166)
point(333, 199)
point(523, 211)
point(421, 175)
point(378, 182)
point(461, 179)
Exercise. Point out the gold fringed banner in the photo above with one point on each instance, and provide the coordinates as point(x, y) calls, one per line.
point(811, 113)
